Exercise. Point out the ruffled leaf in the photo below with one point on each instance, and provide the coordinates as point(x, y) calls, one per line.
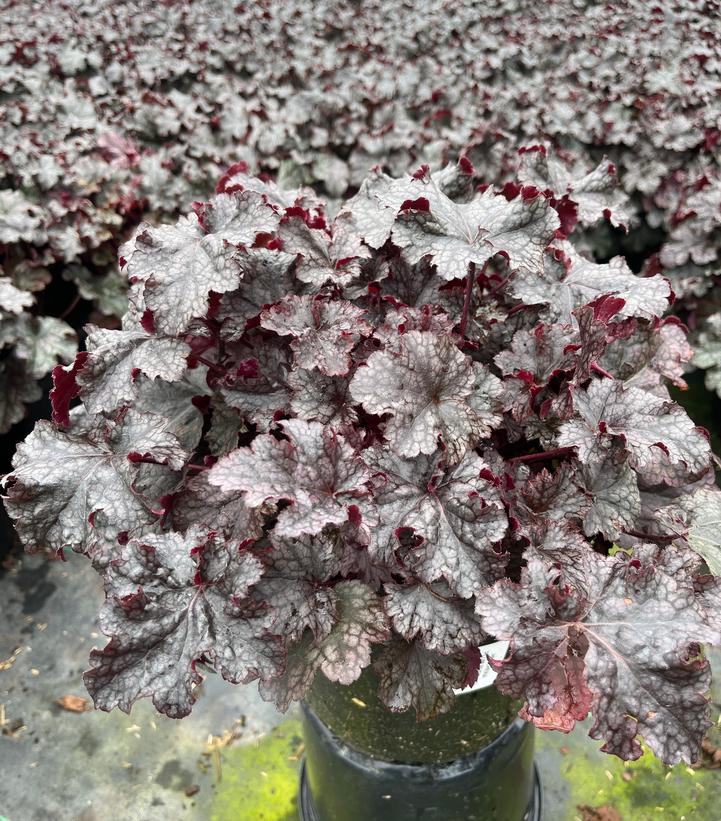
point(432, 391)
point(439, 621)
point(454, 235)
point(314, 469)
point(62, 479)
point(450, 516)
point(654, 432)
point(324, 333)
point(341, 655)
point(114, 360)
point(412, 677)
point(568, 281)
point(621, 643)
point(173, 601)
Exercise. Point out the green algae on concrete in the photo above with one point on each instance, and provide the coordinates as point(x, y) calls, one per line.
point(575, 773)
point(638, 790)
point(260, 780)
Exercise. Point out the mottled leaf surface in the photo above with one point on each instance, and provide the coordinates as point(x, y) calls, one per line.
point(412, 677)
point(455, 516)
point(454, 235)
point(650, 429)
point(342, 654)
point(115, 358)
point(174, 600)
point(432, 391)
point(620, 645)
point(313, 469)
point(61, 478)
point(323, 333)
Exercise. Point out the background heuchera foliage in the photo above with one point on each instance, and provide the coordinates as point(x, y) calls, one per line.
point(425, 423)
point(98, 130)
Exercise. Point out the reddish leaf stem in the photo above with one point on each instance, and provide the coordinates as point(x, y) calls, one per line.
point(498, 287)
point(557, 453)
point(596, 368)
point(137, 459)
point(470, 279)
point(70, 307)
point(649, 537)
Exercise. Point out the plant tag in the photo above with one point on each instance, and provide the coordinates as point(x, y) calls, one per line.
point(486, 674)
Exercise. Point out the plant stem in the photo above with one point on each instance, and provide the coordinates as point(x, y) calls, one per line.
point(649, 537)
point(596, 368)
point(470, 279)
point(71, 307)
point(143, 460)
point(557, 453)
point(438, 595)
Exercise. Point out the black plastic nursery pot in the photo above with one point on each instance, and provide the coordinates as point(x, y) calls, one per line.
point(365, 763)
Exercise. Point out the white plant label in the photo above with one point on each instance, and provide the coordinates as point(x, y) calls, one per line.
point(486, 674)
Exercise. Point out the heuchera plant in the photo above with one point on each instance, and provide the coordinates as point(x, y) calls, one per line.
point(387, 438)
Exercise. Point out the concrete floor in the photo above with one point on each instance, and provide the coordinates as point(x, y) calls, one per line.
point(235, 757)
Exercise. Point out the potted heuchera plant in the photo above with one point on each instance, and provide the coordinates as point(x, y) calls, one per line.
point(338, 457)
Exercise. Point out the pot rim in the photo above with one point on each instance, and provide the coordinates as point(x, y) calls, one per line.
point(440, 771)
